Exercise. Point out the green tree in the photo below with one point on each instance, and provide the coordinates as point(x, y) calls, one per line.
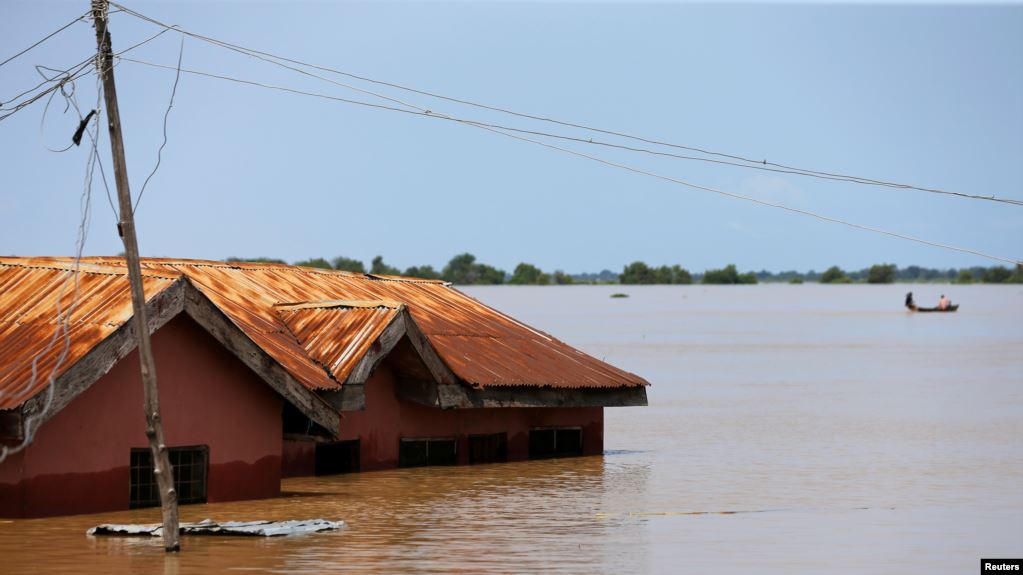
point(561, 278)
point(997, 275)
point(526, 274)
point(378, 267)
point(728, 275)
point(245, 260)
point(911, 273)
point(460, 269)
point(425, 272)
point(1017, 276)
point(463, 270)
point(964, 277)
point(636, 273)
point(881, 274)
point(662, 275)
point(680, 275)
point(748, 278)
point(349, 265)
point(315, 263)
point(834, 275)
point(489, 275)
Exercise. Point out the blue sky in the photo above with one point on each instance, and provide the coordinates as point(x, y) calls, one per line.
point(924, 94)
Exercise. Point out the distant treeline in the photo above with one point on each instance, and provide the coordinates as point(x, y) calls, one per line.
point(890, 273)
point(463, 269)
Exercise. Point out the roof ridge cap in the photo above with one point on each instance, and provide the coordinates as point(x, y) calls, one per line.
point(339, 303)
point(82, 267)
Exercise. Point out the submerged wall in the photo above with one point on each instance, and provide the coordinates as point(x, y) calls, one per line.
point(79, 461)
point(387, 419)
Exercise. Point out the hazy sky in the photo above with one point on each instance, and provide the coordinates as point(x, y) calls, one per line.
point(922, 94)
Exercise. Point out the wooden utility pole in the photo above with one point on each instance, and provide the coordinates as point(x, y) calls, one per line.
point(126, 227)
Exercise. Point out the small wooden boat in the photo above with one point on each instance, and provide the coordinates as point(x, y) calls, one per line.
point(952, 307)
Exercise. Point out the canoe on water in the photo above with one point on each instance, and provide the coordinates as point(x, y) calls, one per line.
point(949, 308)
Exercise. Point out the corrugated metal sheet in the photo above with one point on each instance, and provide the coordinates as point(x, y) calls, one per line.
point(336, 337)
point(29, 330)
point(316, 323)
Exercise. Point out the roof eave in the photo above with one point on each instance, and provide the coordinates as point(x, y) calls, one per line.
point(179, 297)
point(461, 396)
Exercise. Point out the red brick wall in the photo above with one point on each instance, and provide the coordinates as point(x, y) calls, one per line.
point(79, 460)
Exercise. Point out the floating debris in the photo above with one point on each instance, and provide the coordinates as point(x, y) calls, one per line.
point(210, 527)
point(616, 295)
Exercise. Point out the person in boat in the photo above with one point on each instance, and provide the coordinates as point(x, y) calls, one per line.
point(909, 301)
point(944, 302)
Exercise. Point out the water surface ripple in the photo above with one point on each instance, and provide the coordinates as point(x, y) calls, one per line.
point(790, 429)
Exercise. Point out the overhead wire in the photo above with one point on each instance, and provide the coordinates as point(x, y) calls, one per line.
point(748, 163)
point(37, 411)
point(61, 77)
point(159, 152)
point(69, 75)
point(67, 102)
point(47, 37)
point(509, 134)
point(62, 329)
point(592, 141)
point(94, 139)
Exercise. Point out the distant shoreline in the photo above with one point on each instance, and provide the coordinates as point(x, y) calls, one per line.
point(464, 269)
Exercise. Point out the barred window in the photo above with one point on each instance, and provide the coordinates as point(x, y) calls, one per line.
point(190, 465)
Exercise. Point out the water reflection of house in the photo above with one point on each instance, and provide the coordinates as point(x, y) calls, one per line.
point(268, 371)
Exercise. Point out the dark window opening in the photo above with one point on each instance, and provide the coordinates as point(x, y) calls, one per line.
point(337, 457)
point(420, 452)
point(555, 442)
point(190, 466)
point(295, 422)
point(490, 448)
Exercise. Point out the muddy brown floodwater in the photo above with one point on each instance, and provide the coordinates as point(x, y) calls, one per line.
point(790, 429)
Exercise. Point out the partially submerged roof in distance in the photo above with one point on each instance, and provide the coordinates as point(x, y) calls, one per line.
point(317, 324)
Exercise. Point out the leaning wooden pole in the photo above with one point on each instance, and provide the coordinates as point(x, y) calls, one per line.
point(126, 227)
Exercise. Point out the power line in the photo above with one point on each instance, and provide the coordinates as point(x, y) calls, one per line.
point(159, 152)
point(83, 68)
point(609, 163)
point(762, 202)
point(47, 37)
point(79, 70)
point(590, 141)
point(62, 330)
point(739, 161)
point(94, 138)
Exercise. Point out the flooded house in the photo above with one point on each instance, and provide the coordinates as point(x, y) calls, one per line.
point(268, 371)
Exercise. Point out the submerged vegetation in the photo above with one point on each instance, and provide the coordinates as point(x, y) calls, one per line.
point(464, 269)
point(728, 275)
point(640, 273)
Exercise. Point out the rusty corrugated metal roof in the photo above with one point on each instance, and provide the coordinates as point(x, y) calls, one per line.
point(29, 298)
point(336, 337)
point(316, 323)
